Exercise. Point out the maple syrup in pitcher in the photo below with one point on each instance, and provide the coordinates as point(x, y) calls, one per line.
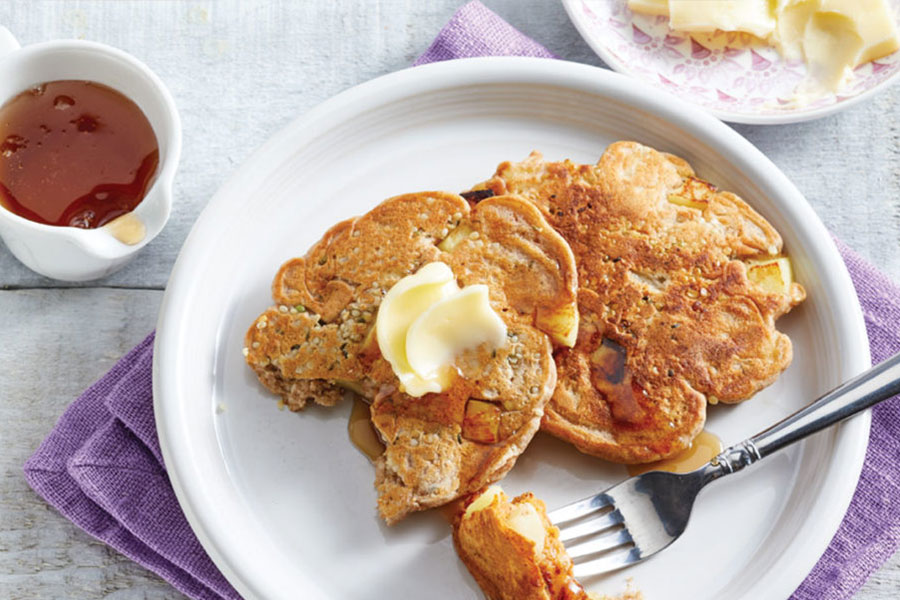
point(74, 153)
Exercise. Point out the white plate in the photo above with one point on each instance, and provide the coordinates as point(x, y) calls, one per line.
point(283, 502)
point(733, 82)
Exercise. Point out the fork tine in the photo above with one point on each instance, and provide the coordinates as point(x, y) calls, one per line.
point(593, 526)
point(600, 543)
point(579, 508)
point(607, 563)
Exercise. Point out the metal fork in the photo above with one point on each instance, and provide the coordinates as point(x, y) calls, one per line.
point(637, 518)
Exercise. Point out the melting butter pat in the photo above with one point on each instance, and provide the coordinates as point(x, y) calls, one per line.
point(650, 7)
point(839, 35)
point(460, 321)
point(833, 37)
point(426, 320)
point(749, 16)
point(872, 21)
point(831, 44)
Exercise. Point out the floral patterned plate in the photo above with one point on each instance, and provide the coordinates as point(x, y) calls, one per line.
point(726, 73)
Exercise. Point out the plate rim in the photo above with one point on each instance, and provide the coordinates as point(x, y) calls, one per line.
point(851, 439)
point(792, 116)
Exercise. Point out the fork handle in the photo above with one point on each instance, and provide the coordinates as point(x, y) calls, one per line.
point(856, 395)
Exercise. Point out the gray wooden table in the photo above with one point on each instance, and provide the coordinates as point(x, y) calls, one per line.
point(239, 71)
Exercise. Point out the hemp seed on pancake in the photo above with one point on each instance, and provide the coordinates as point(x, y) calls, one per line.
point(320, 337)
point(680, 287)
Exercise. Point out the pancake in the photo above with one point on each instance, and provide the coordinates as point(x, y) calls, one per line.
point(513, 551)
point(680, 287)
point(318, 339)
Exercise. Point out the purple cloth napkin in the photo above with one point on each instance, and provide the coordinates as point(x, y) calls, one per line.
point(101, 466)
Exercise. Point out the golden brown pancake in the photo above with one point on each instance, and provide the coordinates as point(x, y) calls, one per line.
point(670, 319)
point(514, 561)
point(319, 338)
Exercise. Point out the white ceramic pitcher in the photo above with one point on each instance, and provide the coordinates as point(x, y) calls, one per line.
point(71, 253)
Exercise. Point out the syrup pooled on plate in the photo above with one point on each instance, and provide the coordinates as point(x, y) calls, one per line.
point(74, 153)
point(704, 447)
point(362, 432)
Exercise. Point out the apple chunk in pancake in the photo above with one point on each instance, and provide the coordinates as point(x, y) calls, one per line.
point(319, 338)
point(686, 279)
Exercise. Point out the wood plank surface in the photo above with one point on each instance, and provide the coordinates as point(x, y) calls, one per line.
point(240, 70)
point(55, 343)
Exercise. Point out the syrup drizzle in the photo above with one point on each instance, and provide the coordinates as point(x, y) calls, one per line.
point(704, 447)
point(361, 431)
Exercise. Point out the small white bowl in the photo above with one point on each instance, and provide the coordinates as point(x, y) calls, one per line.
point(71, 253)
point(739, 85)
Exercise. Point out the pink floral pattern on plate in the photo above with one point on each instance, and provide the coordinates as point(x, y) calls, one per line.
point(722, 74)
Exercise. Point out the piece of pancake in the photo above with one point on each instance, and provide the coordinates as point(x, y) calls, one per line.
point(319, 337)
point(675, 307)
point(513, 551)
